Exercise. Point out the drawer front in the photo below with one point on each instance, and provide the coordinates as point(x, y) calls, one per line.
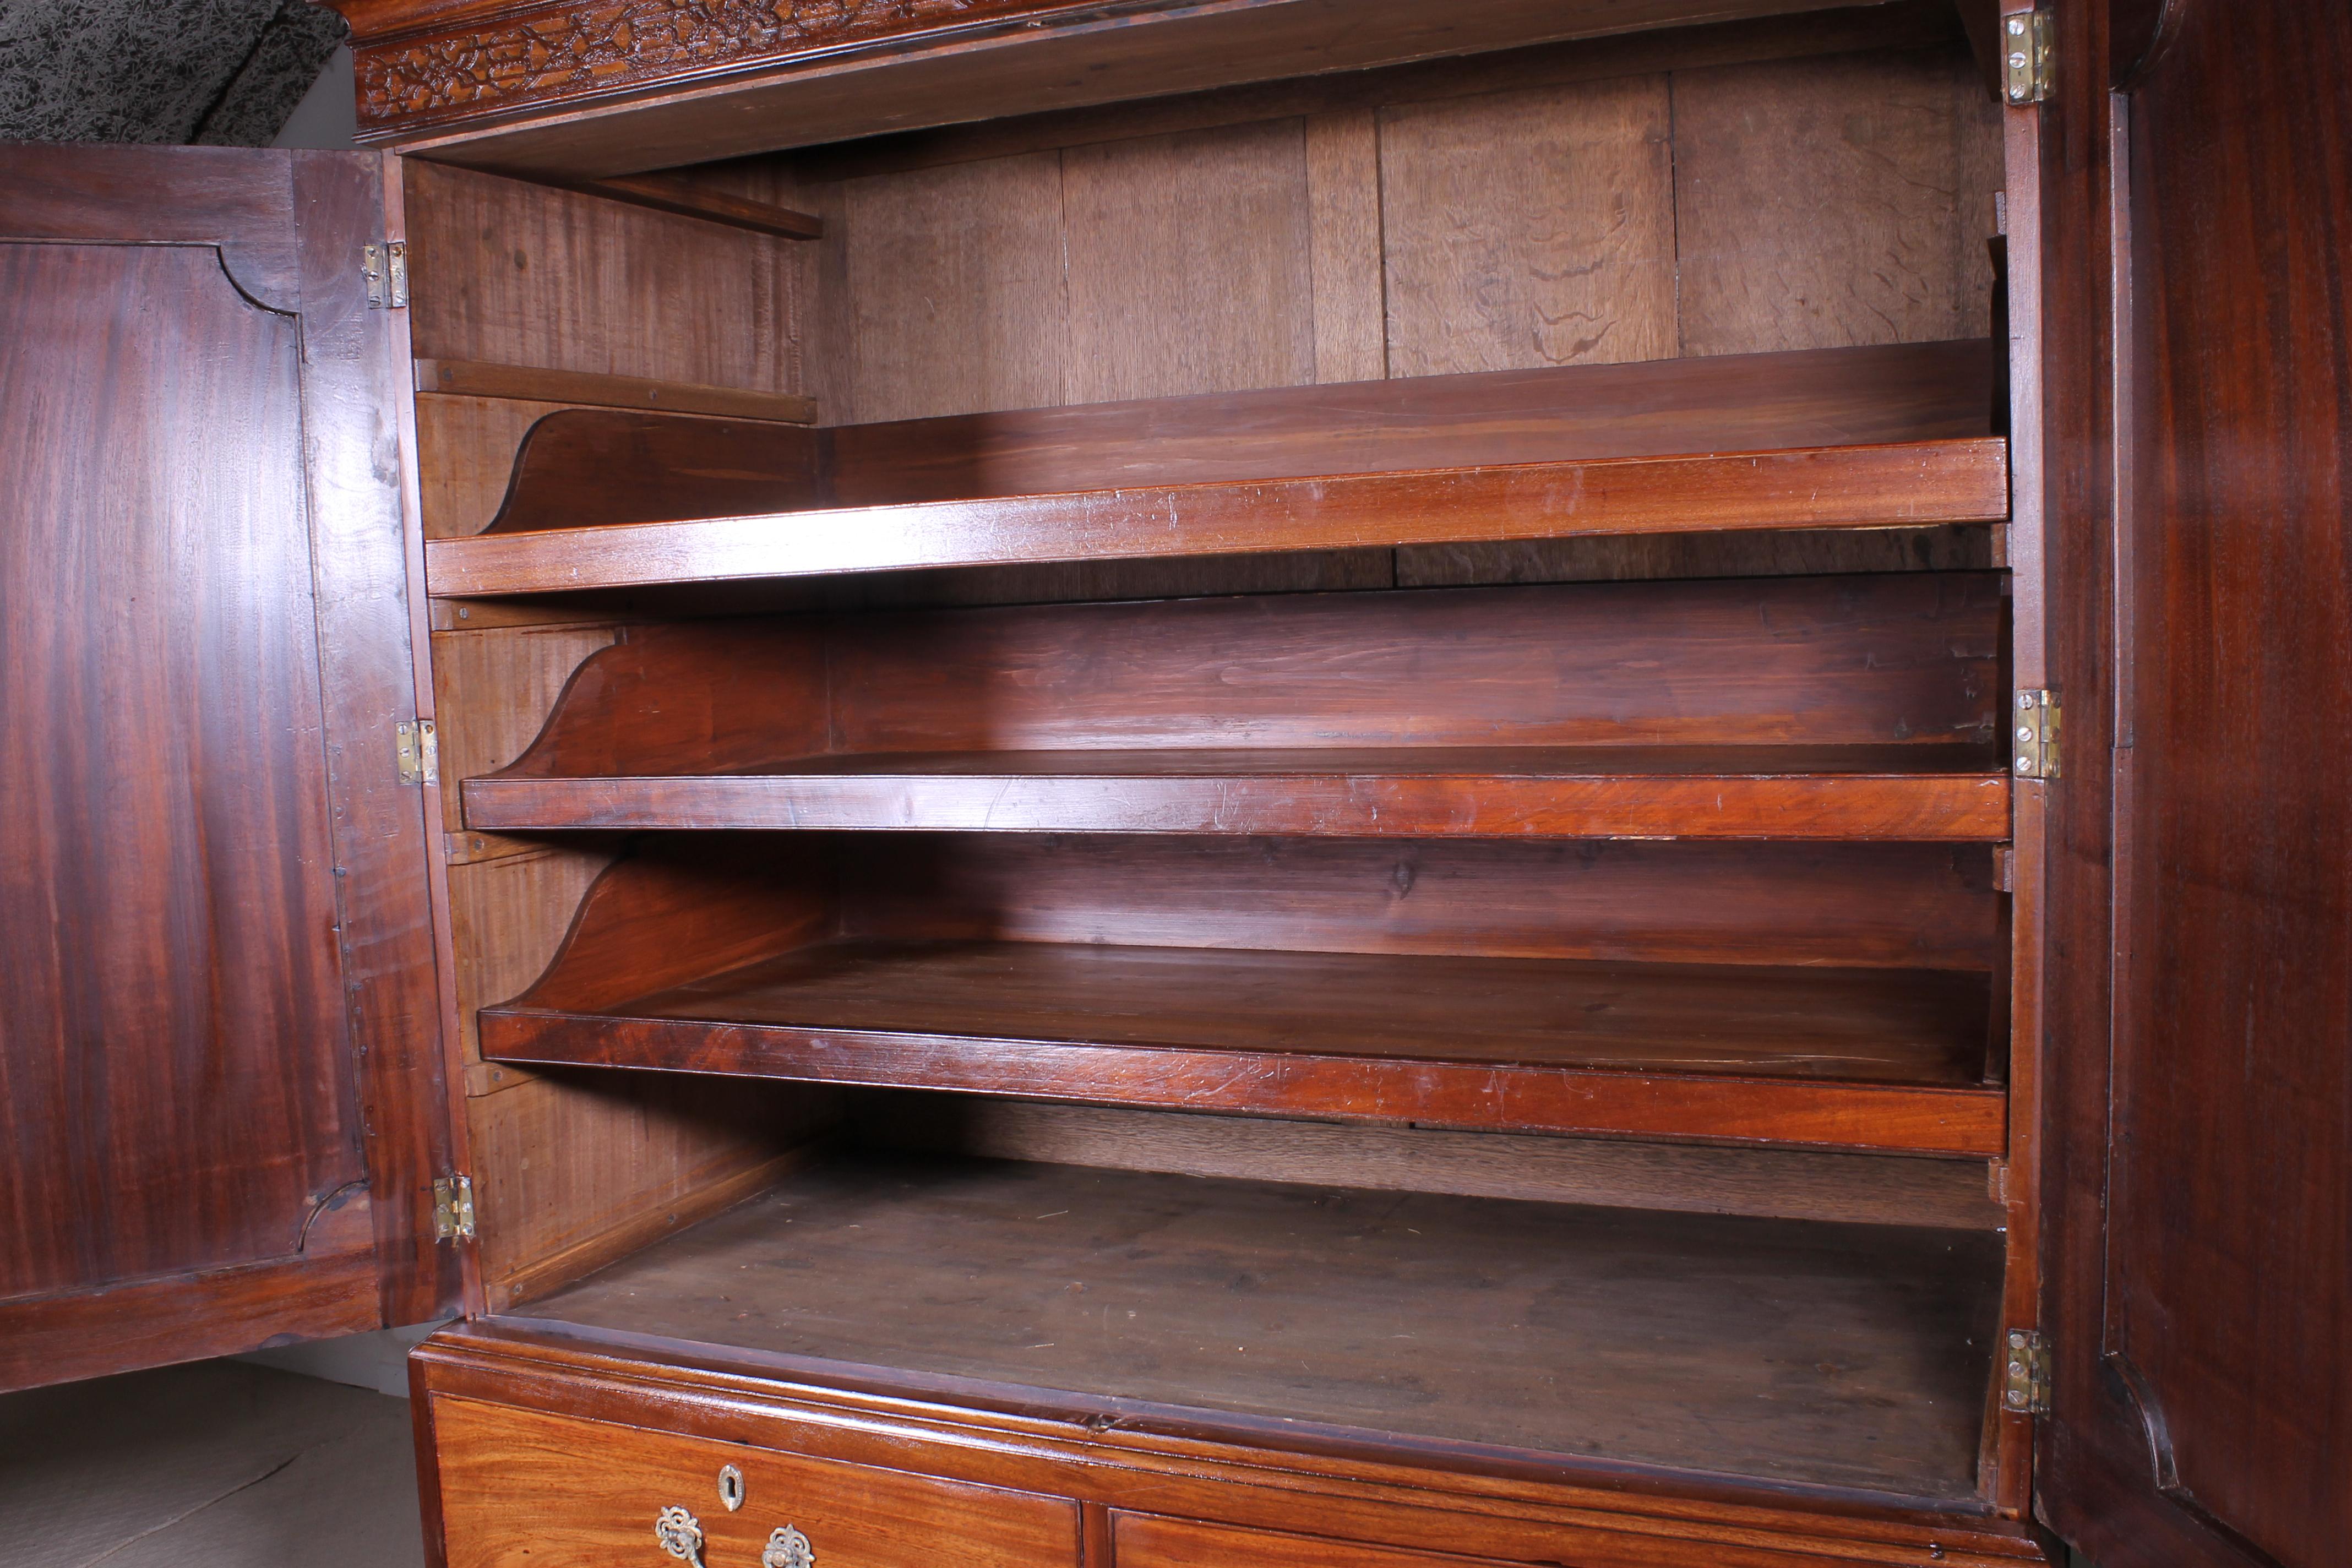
point(520, 1489)
point(1139, 1541)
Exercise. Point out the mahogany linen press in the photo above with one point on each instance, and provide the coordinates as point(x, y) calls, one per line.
point(1166, 783)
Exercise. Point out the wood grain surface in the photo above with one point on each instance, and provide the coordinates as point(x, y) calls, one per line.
point(1828, 1355)
point(515, 1489)
point(1766, 1182)
point(1857, 487)
point(1875, 1058)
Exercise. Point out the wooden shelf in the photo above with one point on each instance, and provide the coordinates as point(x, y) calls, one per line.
point(1798, 1352)
point(1874, 437)
point(1859, 1059)
point(1911, 793)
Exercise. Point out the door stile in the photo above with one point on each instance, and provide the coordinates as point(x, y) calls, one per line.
point(357, 444)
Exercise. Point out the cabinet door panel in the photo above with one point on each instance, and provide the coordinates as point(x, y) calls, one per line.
point(2197, 195)
point(196, 1155)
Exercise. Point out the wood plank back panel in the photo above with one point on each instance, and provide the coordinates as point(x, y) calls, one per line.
point(1908, 660)
point(1478, 246)
point(507, 272)
point(1769, 1184)
point(1893, 661)
point(1841, 200)
point(1881, 905)
point(1187, 264)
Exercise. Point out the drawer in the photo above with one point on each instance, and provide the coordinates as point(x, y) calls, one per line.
point(1139, 1541)
point(520, 1489)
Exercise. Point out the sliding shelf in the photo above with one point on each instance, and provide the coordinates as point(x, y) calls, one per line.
point(1895, 436)
point(1812, 708)
point(1912, 792)
point(1857, 1059)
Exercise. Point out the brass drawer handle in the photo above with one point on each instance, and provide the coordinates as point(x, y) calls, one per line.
point(787, 1547)
point(680, 1534)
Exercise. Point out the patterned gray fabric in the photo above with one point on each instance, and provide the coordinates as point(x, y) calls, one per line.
point(226, 72)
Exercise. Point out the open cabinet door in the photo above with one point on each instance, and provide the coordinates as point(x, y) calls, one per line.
point(2196, 239)
point(221, 1112)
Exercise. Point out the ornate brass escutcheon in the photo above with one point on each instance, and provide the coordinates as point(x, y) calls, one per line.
point(788, 1548)
point(680, 1534)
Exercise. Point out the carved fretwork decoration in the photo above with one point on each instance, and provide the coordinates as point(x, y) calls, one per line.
point(535, 55)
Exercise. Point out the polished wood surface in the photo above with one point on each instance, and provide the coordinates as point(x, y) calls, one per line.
point(518, 1486)
point(1822, 397)
point(1857, 487)
point(1144, 1541)
point(1830, 708)
point(2201, 1114)
point(640, 467)
point(1788, 905)
point(216, 912)
point(1959, 794)
point(1866, 437)
point(1823, 1354)
point(1246, 1475)
point(469, 378)
point(468, 70)
point(1869, 1058)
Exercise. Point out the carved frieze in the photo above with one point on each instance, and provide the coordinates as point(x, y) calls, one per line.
point(543, 53)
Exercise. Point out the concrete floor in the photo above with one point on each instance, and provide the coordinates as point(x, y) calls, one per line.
point(214, 1465)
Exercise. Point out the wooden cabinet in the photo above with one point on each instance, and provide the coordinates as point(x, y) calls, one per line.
point(1154, 785)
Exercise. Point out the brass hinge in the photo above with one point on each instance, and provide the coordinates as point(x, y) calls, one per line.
point(385, 267)
point(2037, 735)
point(417, 745)
point(2025, 58)
point(452, 1208)
point(2025, 1384)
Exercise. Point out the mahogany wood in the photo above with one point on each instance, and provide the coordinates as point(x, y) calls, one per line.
point(1144, 1541)
point(1825, 1354)
point(1860, 708)
point(641, 467)
point(799, 79)
point(365, 569)
point(1100, 1450)
point(1919, 794)
point(2199, 1132)
point(324, 1291)
point(1896, 392)
point(469, 378)
point(1840, 906)
point(222, 1009)
point(1856, 486)
point(513, 1486)
point(1877, 437)
point(1882, 1060)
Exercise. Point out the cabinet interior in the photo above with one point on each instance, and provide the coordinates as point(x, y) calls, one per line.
point(1627, 907)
